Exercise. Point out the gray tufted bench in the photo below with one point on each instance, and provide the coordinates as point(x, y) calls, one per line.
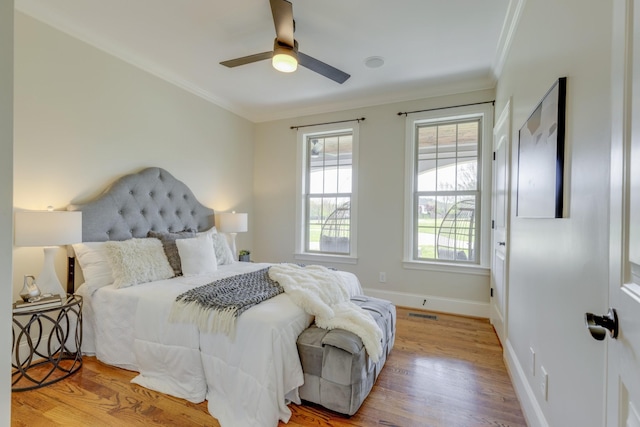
point(338, 373)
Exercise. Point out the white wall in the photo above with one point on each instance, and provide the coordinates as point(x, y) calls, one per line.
point(83, 118)
point(558, 267)
point(6, 203)
point(380, 206)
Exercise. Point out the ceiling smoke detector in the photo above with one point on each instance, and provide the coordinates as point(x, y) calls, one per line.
point(374, 62)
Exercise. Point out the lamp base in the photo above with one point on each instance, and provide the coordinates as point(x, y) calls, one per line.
point(233, 245)
point(48, 281)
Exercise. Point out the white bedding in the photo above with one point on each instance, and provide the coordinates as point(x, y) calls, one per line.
point(248, 378)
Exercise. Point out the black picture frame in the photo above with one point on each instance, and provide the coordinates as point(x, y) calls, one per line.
point(540, 185)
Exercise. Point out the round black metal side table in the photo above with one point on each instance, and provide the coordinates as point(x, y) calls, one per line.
point(48, 339)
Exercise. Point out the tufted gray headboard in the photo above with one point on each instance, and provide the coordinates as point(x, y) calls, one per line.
point(151, 199)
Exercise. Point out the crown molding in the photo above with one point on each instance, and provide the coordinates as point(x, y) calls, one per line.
point(511, 20)
point(432, 89)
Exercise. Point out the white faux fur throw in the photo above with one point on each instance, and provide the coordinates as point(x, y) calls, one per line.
point(322, 292)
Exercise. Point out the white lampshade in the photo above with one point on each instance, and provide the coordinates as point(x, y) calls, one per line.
point(48, 229)
point(232, 222)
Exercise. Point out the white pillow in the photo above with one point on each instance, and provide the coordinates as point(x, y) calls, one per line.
point(197, 255)
point(92, 257)
point(221, 246)
point(136, 261)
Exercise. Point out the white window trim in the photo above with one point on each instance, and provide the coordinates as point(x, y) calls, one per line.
point(303, 134)
point(485, 111)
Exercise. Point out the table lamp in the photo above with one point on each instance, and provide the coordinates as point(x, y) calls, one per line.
point(49, 229)
point(233, 223)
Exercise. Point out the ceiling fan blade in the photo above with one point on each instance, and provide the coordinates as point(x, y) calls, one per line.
point(247, 59)
point(282, 12)
point(321, 68)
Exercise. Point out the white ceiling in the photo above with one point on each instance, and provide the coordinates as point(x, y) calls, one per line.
point(430, 47)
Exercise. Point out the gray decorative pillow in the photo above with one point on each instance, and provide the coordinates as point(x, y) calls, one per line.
point(137, 261)
point(169, 245)
point(223, 251)
point(224, 255)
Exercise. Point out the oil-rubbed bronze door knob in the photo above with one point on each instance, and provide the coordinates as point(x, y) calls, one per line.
point(599, 325)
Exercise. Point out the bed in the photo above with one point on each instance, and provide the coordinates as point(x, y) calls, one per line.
point(248, 376)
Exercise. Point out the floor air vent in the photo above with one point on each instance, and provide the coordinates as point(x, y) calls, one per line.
point(424, 316)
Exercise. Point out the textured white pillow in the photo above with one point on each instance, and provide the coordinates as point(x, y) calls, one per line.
point(92, 257)
point(137, 261)
point(197, 255)
point(224, 255)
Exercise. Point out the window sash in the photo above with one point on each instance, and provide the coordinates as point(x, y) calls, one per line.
point(334, 242)
point(442, 244)
point(441, 241)
point(337, 240)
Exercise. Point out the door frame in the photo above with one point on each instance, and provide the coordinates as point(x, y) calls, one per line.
point(624, 63)
point(504, 119)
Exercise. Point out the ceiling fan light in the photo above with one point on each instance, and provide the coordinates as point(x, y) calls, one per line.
point(285, 62)
point(285, 58)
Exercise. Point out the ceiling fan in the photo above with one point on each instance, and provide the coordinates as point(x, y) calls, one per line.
point(285, 55)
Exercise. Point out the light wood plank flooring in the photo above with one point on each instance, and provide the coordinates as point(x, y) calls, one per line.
point(444, 372)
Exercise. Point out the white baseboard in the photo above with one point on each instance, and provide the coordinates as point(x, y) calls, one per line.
point(428, 302)
point(24, 352)
point(528, 402)
point(45, 335)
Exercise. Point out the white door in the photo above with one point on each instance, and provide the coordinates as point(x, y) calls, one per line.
point(623, 360)
point(501, 145)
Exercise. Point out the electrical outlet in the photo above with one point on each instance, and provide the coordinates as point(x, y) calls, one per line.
point(383, 277)
point(533, 361)
point(544, 383)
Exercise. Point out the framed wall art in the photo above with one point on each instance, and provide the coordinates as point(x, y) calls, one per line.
point(541, 157)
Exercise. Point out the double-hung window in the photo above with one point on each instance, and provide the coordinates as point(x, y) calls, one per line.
point(327, 188)
point(447, 198)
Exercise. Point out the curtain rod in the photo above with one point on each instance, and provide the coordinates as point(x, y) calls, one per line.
point(442, 108)
point(329, 123)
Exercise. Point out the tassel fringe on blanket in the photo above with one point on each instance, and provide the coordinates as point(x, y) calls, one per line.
point(215, 307)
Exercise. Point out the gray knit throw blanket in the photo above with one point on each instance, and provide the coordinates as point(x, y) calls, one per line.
point(214, 307)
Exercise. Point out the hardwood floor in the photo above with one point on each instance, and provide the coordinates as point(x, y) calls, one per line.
point(444, 372)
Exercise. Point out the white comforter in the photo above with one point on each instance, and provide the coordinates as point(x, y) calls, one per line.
point(248, 378)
